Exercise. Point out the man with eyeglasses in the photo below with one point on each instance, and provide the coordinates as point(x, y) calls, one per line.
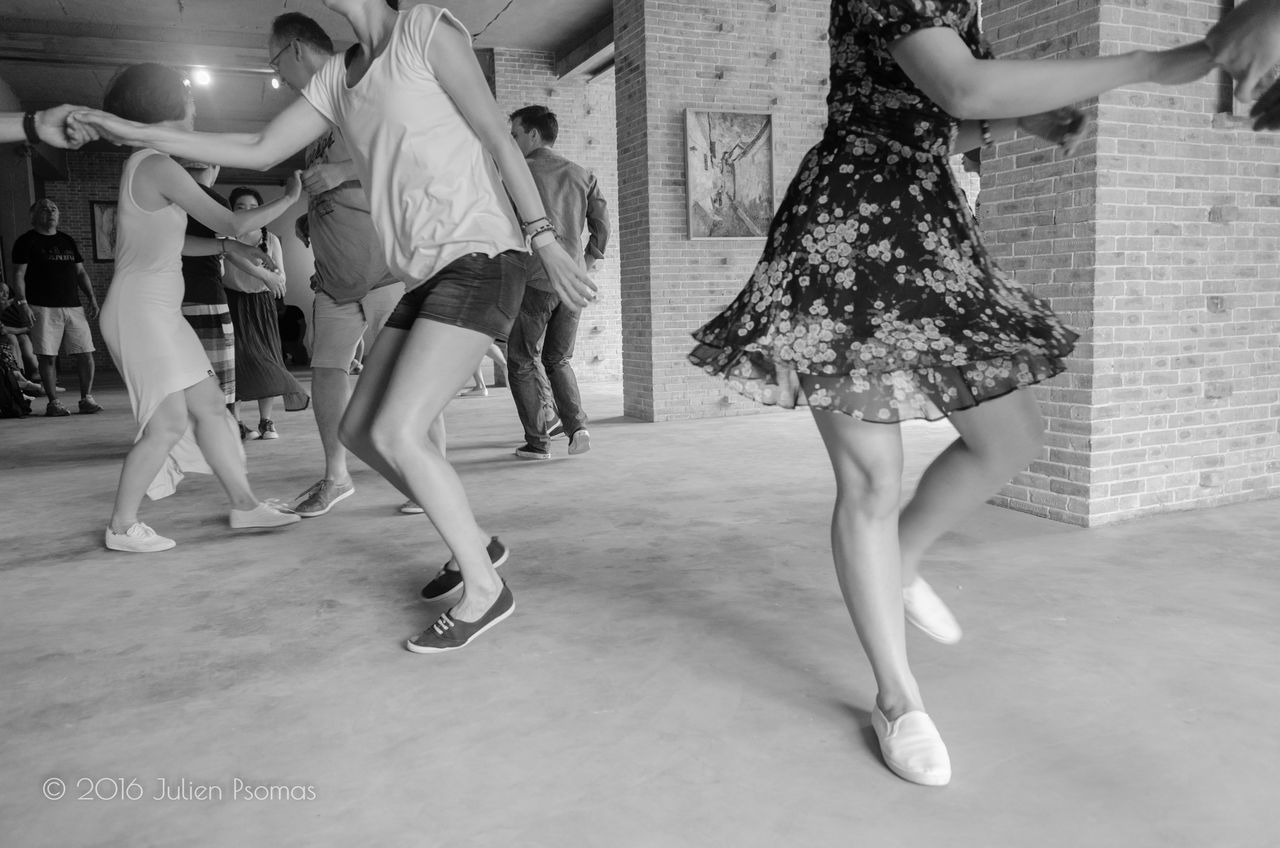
point(354, 290)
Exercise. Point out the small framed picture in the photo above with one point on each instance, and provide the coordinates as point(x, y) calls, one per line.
point(103, 215)
point(730, 173)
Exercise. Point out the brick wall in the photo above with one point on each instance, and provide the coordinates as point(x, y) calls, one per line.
point(673, 56)
point(585, 108)
point(90, 176)
point(1158, 243)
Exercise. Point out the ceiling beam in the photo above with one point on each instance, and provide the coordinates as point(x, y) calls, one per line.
point(95, 51)
point(590, 55)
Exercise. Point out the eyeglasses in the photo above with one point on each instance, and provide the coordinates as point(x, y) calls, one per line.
point(274, 61)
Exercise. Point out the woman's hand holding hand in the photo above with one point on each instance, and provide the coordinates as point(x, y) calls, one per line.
point(253, 256)
point(575, 288)
point(1065, 127)
point(99, 124)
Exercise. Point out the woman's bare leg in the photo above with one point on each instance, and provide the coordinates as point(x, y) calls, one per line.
point(396, 399)
point(219, 441)
point(867, 462)
point(997, 440)
point(146, 458)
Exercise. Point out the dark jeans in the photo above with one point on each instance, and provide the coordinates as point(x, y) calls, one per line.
point(541, 313)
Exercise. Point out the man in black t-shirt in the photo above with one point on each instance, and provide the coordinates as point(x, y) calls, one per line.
point(48, 276)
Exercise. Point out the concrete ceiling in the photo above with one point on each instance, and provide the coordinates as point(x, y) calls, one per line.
point(58, 51)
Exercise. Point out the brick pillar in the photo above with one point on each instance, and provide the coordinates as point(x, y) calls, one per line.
point(728, 55)
point(1158, 242)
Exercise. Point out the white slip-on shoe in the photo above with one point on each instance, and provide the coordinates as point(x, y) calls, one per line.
point(912, 748)
point(138, 539)
point(263, 515)
point(927, 611)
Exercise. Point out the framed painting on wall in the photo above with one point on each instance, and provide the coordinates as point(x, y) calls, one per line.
point(729, 176)
point(103, 215)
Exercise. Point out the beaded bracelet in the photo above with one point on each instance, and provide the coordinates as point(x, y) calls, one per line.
point(29, 128)
point(525, 225)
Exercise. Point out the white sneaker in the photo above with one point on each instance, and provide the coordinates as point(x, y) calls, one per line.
point(912, 748)
point(138, 539)
point(579, 442)
point(927, 611)
point(263, 515)
point(411, 508)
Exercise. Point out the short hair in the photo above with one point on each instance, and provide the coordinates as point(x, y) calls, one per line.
point(295, 26)
point(539, 118)
point(41, 202)
point(395, 4)
point(148, 93)
point(244, 191)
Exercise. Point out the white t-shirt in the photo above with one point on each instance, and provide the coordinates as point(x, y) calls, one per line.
point(434, 192)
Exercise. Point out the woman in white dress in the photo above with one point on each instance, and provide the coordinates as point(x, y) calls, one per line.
point(183, 424)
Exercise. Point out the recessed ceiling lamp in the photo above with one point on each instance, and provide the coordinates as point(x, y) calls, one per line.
point(275, 82)
point(201, 76)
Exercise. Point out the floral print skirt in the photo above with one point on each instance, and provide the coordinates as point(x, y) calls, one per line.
point(875, 296)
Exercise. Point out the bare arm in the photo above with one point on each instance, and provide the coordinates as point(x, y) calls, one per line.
point(290, 131)
point(86, 286)
point(939, 62)
point(227, 248)
point(160, 180)
point(597, 222)
point(269, 272)
point(450, 54)
point(51, 127)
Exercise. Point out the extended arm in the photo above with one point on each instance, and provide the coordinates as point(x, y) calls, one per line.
point(290, 131)
point(939, 62)
point(51, 127)
point(450, 54)
point(597, 222)
point(171, 184)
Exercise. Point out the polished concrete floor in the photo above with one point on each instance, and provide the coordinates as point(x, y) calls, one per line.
point(679, 672)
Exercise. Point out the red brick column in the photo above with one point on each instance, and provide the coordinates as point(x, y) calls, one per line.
point(1159, 243)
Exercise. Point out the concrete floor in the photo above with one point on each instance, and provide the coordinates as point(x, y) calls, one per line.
point(680, 670)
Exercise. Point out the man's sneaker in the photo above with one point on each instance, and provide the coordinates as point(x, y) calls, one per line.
point(267, 429)
point(579, 442)
point(556, 430)
point(88, 405)
point(138, 539)
point(449, 580)
point(55, 409)
point(528, 451)
point(265, 514)
point(449, 634)
point(411, 507)
point(321, 497)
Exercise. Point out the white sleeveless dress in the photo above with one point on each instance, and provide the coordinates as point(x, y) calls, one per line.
point(154, 348)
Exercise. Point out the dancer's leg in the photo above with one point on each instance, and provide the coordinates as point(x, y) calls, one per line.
point(997, 439)
point(49, 376)
point(867, 461)
point(265, 407)
point(84, 369)
point(331, 391)
point(146, 458)
point(219, 441)
point(383, 426)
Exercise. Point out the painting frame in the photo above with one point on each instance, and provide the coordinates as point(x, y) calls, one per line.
point(102, 228)
point(729, 173)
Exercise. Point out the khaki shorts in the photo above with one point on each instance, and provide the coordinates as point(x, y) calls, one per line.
point(336, 328)
point(60, 329)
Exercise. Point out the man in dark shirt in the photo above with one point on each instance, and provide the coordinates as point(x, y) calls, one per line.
point(546, 329)
point(48, 269)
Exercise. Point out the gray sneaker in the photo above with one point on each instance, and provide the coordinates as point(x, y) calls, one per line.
point(579, 442)
point(321, 497)
point(55, 409)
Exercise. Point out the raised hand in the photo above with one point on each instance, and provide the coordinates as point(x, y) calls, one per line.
point(571, 283)
point(1065, 127)
point(1246, 43)
point(1266, 111)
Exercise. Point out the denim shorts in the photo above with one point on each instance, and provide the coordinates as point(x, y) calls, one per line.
point(478, 292)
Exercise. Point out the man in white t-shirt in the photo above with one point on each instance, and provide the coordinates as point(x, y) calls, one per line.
point(354, 290)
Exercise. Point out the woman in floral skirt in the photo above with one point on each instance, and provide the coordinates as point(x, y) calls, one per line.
point(876, 302)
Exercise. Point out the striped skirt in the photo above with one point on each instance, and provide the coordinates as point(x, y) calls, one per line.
point(212, 323)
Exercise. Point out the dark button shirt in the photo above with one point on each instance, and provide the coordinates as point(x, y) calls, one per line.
point(572, 198)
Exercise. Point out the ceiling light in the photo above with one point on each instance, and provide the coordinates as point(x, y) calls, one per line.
point(200, 76)
point(275, 82)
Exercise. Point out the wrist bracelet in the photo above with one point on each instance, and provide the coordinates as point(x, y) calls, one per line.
point(984, 127)
point(545, 228)
point(29, 128)
point(554, 237)
point(526, 225)
point(222, 247)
